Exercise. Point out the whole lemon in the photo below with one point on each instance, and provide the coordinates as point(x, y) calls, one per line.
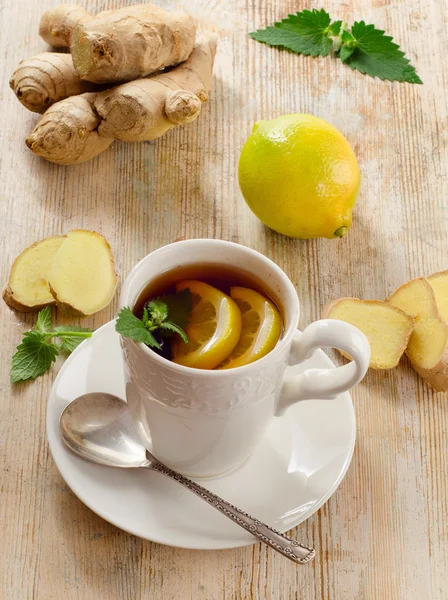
point(300, 176)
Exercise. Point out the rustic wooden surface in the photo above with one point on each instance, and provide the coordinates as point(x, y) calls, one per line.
point(383, 535)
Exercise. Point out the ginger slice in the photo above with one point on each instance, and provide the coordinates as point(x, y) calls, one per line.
point(428, 346)
point(27, 289)
point(439, 284)
point(387, 328)
point(82, 278)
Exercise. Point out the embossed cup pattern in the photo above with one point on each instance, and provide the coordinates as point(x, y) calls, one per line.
point(200, 425)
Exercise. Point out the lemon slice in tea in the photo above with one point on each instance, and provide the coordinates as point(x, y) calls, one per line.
point(262, 327)
point(213, 329)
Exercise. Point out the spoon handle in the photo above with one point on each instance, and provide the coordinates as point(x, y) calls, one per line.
point(295, 551)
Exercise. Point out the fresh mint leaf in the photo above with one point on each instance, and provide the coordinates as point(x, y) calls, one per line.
point(179, 307)
point(69, 343)
point(71, 336)
point(347, 38)
point(335, 28)
point(158, 310)
point(130, 326)
point(348, 46)
point(308, 32)
point(43, 322)
point(345, 53)
point(37, 352)
point(375, 54)
point(34, 356)
point(175, 329)
point(364, 48)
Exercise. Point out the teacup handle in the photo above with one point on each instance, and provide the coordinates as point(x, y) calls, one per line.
point(324, 384)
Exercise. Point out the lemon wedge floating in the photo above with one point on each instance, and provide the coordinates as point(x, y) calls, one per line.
point(213, 329)
point(262, 327)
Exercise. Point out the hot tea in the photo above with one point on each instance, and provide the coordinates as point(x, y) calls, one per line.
point(210, 316)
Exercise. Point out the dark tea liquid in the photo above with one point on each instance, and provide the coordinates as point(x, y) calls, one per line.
point(216, 275)
point(222, 278)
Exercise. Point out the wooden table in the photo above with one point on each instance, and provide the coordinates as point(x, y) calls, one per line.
point(383, 535)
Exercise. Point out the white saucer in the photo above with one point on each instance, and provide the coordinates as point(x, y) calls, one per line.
point(299, 465)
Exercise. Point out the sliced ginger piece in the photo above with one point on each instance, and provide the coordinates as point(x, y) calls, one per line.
point(427, 342)
point(439, 284)
point(415, 298)
point(82, 278)
point(27, 289)
point(387, 328)
point(428, 346)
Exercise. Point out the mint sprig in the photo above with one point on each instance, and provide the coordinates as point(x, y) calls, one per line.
point(34, 356)
point(37, 351)
point(132, 327)
point(375, 54)
point(173, 328)
point(161, 317)
point(363, 47)
point(308, 32)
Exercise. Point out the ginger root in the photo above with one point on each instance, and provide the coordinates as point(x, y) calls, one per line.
point(428, 345)
point(27, 288)
point(147, 108)
point(80, 120)
point(124, 44)
point(56, 24)
point(387, 328)
point(439, 284)
point(46, 78)
point(68, 132)
point(81, 127)
point(82, 278)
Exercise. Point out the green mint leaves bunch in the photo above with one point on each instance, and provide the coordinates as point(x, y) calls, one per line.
point(37, 351)
point(363, 47)
point(162, 317)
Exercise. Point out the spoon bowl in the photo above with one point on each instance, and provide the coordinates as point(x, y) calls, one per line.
point(99, 427)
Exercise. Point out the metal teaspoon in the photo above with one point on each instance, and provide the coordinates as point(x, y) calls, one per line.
point(99, 428)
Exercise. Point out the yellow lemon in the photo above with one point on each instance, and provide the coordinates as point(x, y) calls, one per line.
point(262, 327)
point(213, 329)
point(300, 176)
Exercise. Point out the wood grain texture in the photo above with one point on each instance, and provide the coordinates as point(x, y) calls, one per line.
point(384, 533)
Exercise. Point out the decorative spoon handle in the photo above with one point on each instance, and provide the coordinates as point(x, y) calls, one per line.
point(295, 551)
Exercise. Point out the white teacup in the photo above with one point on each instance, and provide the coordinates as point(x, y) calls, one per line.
point(204, 423)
